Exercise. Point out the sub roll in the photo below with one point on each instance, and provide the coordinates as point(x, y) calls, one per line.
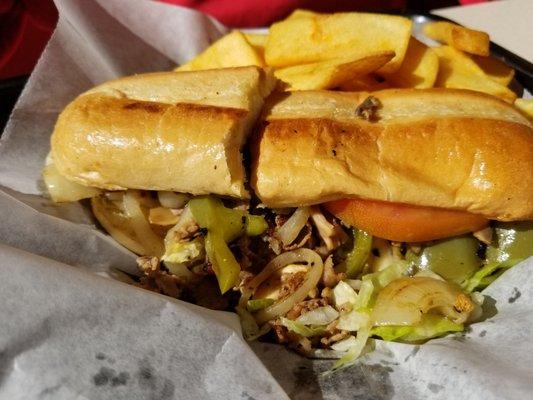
point(168, 131)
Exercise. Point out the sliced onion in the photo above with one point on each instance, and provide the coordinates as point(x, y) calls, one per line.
point(63, 190)
point(112, 218)
point(172, 199)
point(163, 216)
point(345, 344)
point(404, 300)
point(250, 329)
point(290, 230)
point(114, 196)
point(319, 316)
point(185, 219)
point(140, 225)
point(326, 354)
point(282, 306)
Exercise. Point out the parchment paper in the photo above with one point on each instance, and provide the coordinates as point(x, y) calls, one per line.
point(68, 333)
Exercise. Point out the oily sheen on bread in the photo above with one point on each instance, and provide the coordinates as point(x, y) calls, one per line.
point(452, 149)
point(179, 131)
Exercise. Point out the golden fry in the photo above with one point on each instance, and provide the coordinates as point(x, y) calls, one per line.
point(258, 42)
point(300, 13)
point(419, 68)
point(330, 74)
point(345, 35)
point(496, 70)
point(232, 50)
point(526, 106)
point(457, 70)
point(367, 83)
point(460, 38)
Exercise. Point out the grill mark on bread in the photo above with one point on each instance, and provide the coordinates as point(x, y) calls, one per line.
point(144, 105)
point(233, 113)
point(154, 108)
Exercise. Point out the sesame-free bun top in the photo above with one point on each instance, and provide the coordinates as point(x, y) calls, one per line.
point(177, 131)
point(453, 149)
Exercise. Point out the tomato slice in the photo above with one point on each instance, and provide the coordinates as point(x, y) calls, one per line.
point(403, 222)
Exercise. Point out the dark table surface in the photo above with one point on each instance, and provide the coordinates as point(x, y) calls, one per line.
point(9, 92)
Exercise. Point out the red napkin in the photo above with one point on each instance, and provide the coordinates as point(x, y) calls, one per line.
point(254, 13)
point(25, 27)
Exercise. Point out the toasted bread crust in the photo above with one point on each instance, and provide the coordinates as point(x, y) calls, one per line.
point(180, 131)
point(455, 150)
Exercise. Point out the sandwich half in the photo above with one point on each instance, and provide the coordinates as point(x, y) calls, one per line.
point(143, 146)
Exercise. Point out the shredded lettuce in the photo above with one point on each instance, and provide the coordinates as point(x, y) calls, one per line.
point(318, 316)
point(258, 304)
point(345, 344)
point(250, 329)
point(488, 274)
point(373, 283)
point(343, 294)
point(354, 351)
point(353, 321)
point(180, 254)
point(183, 252)
point(512, 244)
point(431, 326)
point(301, 329)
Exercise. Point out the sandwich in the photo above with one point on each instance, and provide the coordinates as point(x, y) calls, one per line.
point(323, 218)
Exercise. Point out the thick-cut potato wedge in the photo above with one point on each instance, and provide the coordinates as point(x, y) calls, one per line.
point(460, 38)
point(232, 50)
point(300, 13)
point(419, 68)
point(496, 70)
point(324, 37)
point(329, 74)
point(257, 41)
point(526, 106)
point(458, 71)
point(366, 83)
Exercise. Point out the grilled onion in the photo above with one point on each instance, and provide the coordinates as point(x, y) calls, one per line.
point(404, 300)
point(172, 200)
point(290, 230)
point(140, 225)
point(164, 216)
point(63, 190)
point(283, 305)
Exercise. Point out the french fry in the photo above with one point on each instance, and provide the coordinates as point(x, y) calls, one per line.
point(367, 83)
point(419, 68)
point(525, 106)
point(257, 41)
point(323, 37)
point(496, 70)
point(330, 74)
point(460, 38)
point(458, 71)
point(300, 13)
point(232, 50)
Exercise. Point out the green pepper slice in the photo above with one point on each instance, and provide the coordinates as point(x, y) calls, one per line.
point(357, 256)
point(223, 226)
point(454, 259)
point(513, 241)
